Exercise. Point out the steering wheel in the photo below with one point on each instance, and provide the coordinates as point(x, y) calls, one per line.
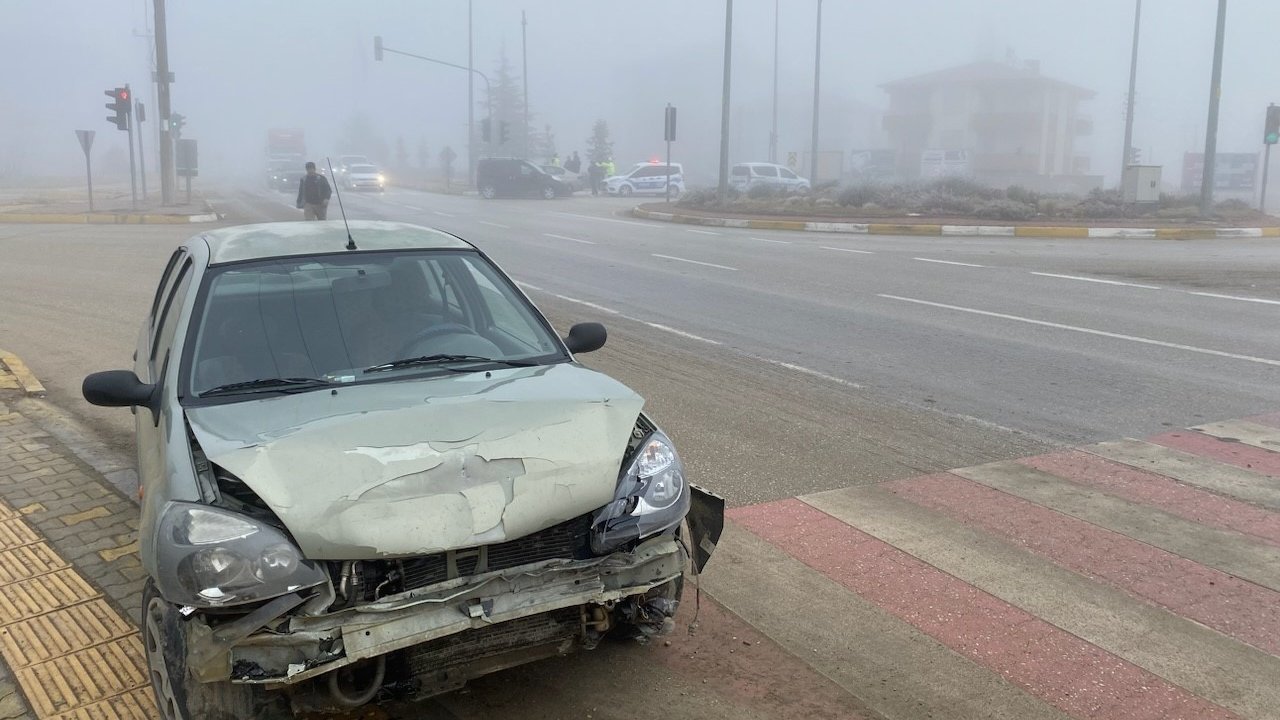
point(407, 348)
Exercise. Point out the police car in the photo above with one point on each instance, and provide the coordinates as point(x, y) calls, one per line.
point(647, 179)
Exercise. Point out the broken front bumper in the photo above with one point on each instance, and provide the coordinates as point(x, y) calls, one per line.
point(280, 650)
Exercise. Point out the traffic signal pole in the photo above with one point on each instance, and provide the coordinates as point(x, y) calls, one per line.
point(133, 170)
point(162, 96)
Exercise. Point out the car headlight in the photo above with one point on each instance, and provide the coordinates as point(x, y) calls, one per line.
point(381, 179)
point(210, 557)
point(652, 496)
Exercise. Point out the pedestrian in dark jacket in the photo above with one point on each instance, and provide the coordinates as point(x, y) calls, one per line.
point(574, 163)
point(313, 194)
point(596, 173)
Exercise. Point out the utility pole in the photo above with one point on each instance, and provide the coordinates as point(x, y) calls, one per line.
point(1133, 82)
point(1211, 131)
point(817, 70)
point(773, 134)
point(471, 100)
point(140, 114)
point(524, 52)
point(723, 189)
point(162, 94)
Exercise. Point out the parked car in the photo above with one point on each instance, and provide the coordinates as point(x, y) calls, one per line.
point(745, 176)
point(574, 180)
point(364, 177)
point(371, 463)
point(647, 179)
point(513, 177)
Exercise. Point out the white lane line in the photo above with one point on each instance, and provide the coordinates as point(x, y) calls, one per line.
point(850, 250)
point(1096, 280)
point(695, 262)
point(494, 224)
point(701, 232)
point(808, 371)
point(780, 242)
point(412, 207)
point(566, 237)
point(443, 214)
point(1236, 297)
point(1090, 331)
point(651, 226)
point(672, 330)
point(947, 262)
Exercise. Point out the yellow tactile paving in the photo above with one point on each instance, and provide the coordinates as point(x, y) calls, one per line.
point(28, 561)
point(43, 594)
point(61, 632)
point(137, 704)
point(85, 677)
point(16, 533)
point(92, 513)
point(7, 512)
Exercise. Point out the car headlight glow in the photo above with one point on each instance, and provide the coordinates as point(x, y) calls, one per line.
point(207, 556)
point(652, 496)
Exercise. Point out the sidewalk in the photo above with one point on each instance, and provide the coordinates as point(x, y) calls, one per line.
point(927, 227)
point(112, 206)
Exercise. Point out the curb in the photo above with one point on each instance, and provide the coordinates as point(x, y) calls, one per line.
point(1038, 231)
point(26, 378)
point(108, 219)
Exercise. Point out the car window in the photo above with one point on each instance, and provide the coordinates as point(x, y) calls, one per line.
point(526, 169)
point(364, 169)
point(161, 289)
point(333, 316)
point(765, 171)
point(786, 173)
point(739, 170)
point(169, 316)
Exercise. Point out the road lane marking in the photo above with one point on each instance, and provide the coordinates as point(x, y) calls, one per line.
point(651, 226)
point(494, 224)
point(1089, 331)
point(701, 232)
point(695, 262)
point(443, 214)
point(566, 237)
point(947, 262)
point(412, 207)
point(1095, 280)
point(672, 330)
point(851, 250)
point(1236, 297)
point(780, 242)
point(808, 371)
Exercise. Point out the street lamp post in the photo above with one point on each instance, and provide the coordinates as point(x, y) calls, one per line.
point(524, 53)
point(1211, 132)
point(773, 134)
point(723, 189)
point(817, 71)
point(1133, 81)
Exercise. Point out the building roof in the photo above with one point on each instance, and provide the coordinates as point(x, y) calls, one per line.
point(984, 72)
point(282, 239)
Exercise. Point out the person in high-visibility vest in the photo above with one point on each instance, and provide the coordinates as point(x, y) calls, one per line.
point(609, 169)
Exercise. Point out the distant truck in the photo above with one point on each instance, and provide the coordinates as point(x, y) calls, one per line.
point(286, 144)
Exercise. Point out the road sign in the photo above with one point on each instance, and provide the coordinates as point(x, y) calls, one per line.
point(792, 161)
point(1271, 135)
point(86, 140)
point(669, 125)
point(186, 161)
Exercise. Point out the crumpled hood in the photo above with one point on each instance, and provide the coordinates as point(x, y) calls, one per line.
point(417, 467)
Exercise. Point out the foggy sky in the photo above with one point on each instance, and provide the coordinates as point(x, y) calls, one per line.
point(243, 66)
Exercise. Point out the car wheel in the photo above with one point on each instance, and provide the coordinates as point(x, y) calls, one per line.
point(624, 191)
point(488, 192)
point(179, 695)
point(548, 192)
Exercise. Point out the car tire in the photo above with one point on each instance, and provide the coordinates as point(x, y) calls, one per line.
point(625, 190)
point(179, 695)
point(548, 192)
point(488, 192)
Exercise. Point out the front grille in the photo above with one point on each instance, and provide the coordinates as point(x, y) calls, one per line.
point(568, 540)
point(441, 655)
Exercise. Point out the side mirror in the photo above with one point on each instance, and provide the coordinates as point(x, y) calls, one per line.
point(120, 388)
point(586, 337)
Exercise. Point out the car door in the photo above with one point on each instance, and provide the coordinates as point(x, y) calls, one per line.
point(765, 175)
point(529, 178)
point(788, 178)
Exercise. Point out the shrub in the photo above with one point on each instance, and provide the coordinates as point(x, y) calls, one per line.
point(824, 202)
point(826, 185)
point(697, 198)
point(856, 195)
point(760, 192)
point(964, 187)
point(1005, 210)
point(948, 203)
point(1017, 193)
point(1170, 200)
point(1177, 213)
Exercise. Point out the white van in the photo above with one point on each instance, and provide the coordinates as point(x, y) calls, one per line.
point(745, 176)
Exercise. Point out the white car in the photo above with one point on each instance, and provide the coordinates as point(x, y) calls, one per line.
point(745, 176)
point(574, 180)
point(365, 177)
point(647, 179)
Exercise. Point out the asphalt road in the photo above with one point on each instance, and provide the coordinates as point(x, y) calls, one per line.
point(781, 363)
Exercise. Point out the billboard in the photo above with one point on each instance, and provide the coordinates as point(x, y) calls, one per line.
point(1233, 172)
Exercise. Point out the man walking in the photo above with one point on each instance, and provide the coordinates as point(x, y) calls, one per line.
point(313, 194)
point(595, 171)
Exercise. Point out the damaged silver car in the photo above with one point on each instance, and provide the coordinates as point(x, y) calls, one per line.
point(370, 467)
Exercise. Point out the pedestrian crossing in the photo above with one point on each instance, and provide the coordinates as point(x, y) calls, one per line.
point(1126, 579)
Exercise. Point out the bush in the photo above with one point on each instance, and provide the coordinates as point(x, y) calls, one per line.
point(1005, 210)
point(698, 198)
point(760, 192)
point(1170, 200)
point(1017, 193)
point(1177, 213)
point(948, 203)
point(856, 195)
point(964, 187)
point(826, 185)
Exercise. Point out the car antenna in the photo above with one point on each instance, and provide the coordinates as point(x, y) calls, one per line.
point(351, 244)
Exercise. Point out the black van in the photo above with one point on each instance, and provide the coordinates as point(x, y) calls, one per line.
point(514, 177)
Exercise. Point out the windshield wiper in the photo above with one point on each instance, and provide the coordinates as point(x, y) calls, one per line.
point(287, 384)
point(442, 358)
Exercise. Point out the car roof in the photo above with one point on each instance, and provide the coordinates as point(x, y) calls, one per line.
point(286, 239)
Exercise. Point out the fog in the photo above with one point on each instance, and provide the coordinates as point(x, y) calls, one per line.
point(243, 66)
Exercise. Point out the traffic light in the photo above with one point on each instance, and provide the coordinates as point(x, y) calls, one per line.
point(1272, 135)
point(121, 103)
point(502, 133)
point(485, 133)
point(176, 123)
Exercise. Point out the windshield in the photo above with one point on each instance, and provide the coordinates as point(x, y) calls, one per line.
point(364, 169)
point(328, 318)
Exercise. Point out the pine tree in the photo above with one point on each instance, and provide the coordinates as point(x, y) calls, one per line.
point(542, 145)
point(402, 153)
point(599, 146)
point(506, 102)
point(424, 157)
